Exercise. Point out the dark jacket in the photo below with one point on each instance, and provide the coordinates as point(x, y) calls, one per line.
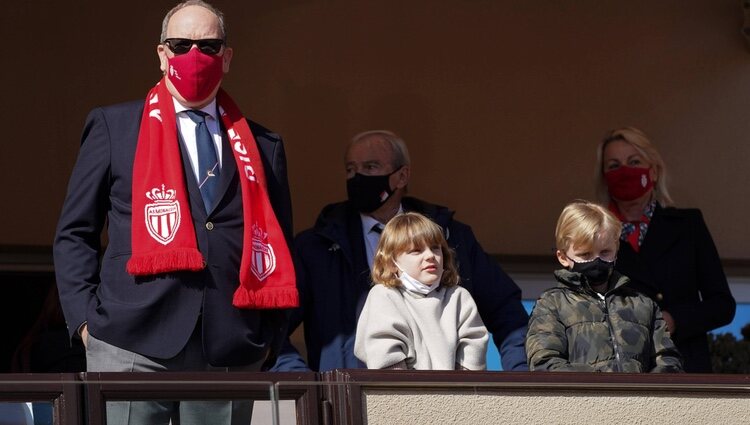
point(679, 268)
point(156, 315)
point(572, 329)
point(334, 278)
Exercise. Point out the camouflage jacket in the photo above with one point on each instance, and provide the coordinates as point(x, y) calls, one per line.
point(572, 328)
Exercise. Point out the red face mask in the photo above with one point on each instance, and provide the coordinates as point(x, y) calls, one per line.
point(195, 75)
point(628, 183)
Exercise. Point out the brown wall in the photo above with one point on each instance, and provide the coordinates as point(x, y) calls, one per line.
point(501, 102)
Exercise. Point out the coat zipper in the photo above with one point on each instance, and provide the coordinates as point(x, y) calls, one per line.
point(615, 344)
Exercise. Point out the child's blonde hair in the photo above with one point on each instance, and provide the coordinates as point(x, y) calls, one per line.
point(583, 222)
point(402, 234)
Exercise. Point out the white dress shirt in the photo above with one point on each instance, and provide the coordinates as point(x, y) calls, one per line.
point(372, 237)
point(186, 127)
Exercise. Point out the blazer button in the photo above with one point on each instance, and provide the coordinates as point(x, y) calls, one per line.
point(209, 226)
point(659, 297)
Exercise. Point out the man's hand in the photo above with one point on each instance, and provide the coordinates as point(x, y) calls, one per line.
point(670, 322)
point(85, 335)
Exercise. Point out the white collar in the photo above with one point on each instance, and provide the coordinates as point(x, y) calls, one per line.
point(368, 221)
point(209, 109)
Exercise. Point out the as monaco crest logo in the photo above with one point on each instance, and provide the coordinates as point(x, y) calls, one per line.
point(163, 215)
point(263, 258)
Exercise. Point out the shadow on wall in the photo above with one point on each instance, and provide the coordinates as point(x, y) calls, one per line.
point(46, 348)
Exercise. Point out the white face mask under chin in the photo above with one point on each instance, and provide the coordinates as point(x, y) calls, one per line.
point(413, 285)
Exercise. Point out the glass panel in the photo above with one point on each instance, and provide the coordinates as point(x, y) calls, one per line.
point(298, 401)
point(184, 412)
point(263, 412)
point(31, 413)
point(195, 399)
point(235, 412)
point(16, 413)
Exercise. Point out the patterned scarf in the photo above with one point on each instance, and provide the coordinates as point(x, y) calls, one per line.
point(163, 235)
point(633, 232)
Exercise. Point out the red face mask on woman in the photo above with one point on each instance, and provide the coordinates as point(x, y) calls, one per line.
point(195, 74)
point(628, 183)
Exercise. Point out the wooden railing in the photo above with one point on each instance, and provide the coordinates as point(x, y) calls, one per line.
point(359, 396)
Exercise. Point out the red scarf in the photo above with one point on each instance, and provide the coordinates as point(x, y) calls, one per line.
point(163, 235)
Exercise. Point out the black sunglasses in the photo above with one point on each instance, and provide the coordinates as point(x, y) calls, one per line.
point(180, 46)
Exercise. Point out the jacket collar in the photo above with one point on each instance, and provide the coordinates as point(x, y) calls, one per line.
point(665, 229)
point(573, 280)
point(341, 225)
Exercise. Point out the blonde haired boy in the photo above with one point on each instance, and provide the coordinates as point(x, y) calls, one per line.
point(592, 320)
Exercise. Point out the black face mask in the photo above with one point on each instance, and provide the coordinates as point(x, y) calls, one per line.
point(596, 271)
point(368, 193)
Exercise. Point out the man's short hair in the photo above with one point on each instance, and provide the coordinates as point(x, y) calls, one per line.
point(583, 222)
point(398, 146)
point(187, 3)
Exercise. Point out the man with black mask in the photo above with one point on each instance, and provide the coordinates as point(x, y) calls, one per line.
point(334, 259)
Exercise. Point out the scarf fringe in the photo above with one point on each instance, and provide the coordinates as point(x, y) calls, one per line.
point(166, 261)
point(266, 298)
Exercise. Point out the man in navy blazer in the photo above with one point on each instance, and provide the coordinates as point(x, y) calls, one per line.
point(334, 258)
point(181, 320)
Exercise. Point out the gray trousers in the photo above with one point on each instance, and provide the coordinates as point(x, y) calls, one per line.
point(105, 357)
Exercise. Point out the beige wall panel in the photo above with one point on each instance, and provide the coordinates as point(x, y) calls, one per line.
point(501, 102)
point(416, 408)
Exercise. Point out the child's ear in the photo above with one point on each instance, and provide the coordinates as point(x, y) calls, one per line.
point(392, 267)
point(563, 259)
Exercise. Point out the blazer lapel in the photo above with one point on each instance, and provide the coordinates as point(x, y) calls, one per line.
point(664, 231)
point(640, 273)
point(361, 284)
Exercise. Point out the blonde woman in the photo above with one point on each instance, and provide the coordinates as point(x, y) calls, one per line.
point(667, 252)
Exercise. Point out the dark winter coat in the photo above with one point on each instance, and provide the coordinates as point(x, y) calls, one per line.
point(572, 328)
point(678, 267)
